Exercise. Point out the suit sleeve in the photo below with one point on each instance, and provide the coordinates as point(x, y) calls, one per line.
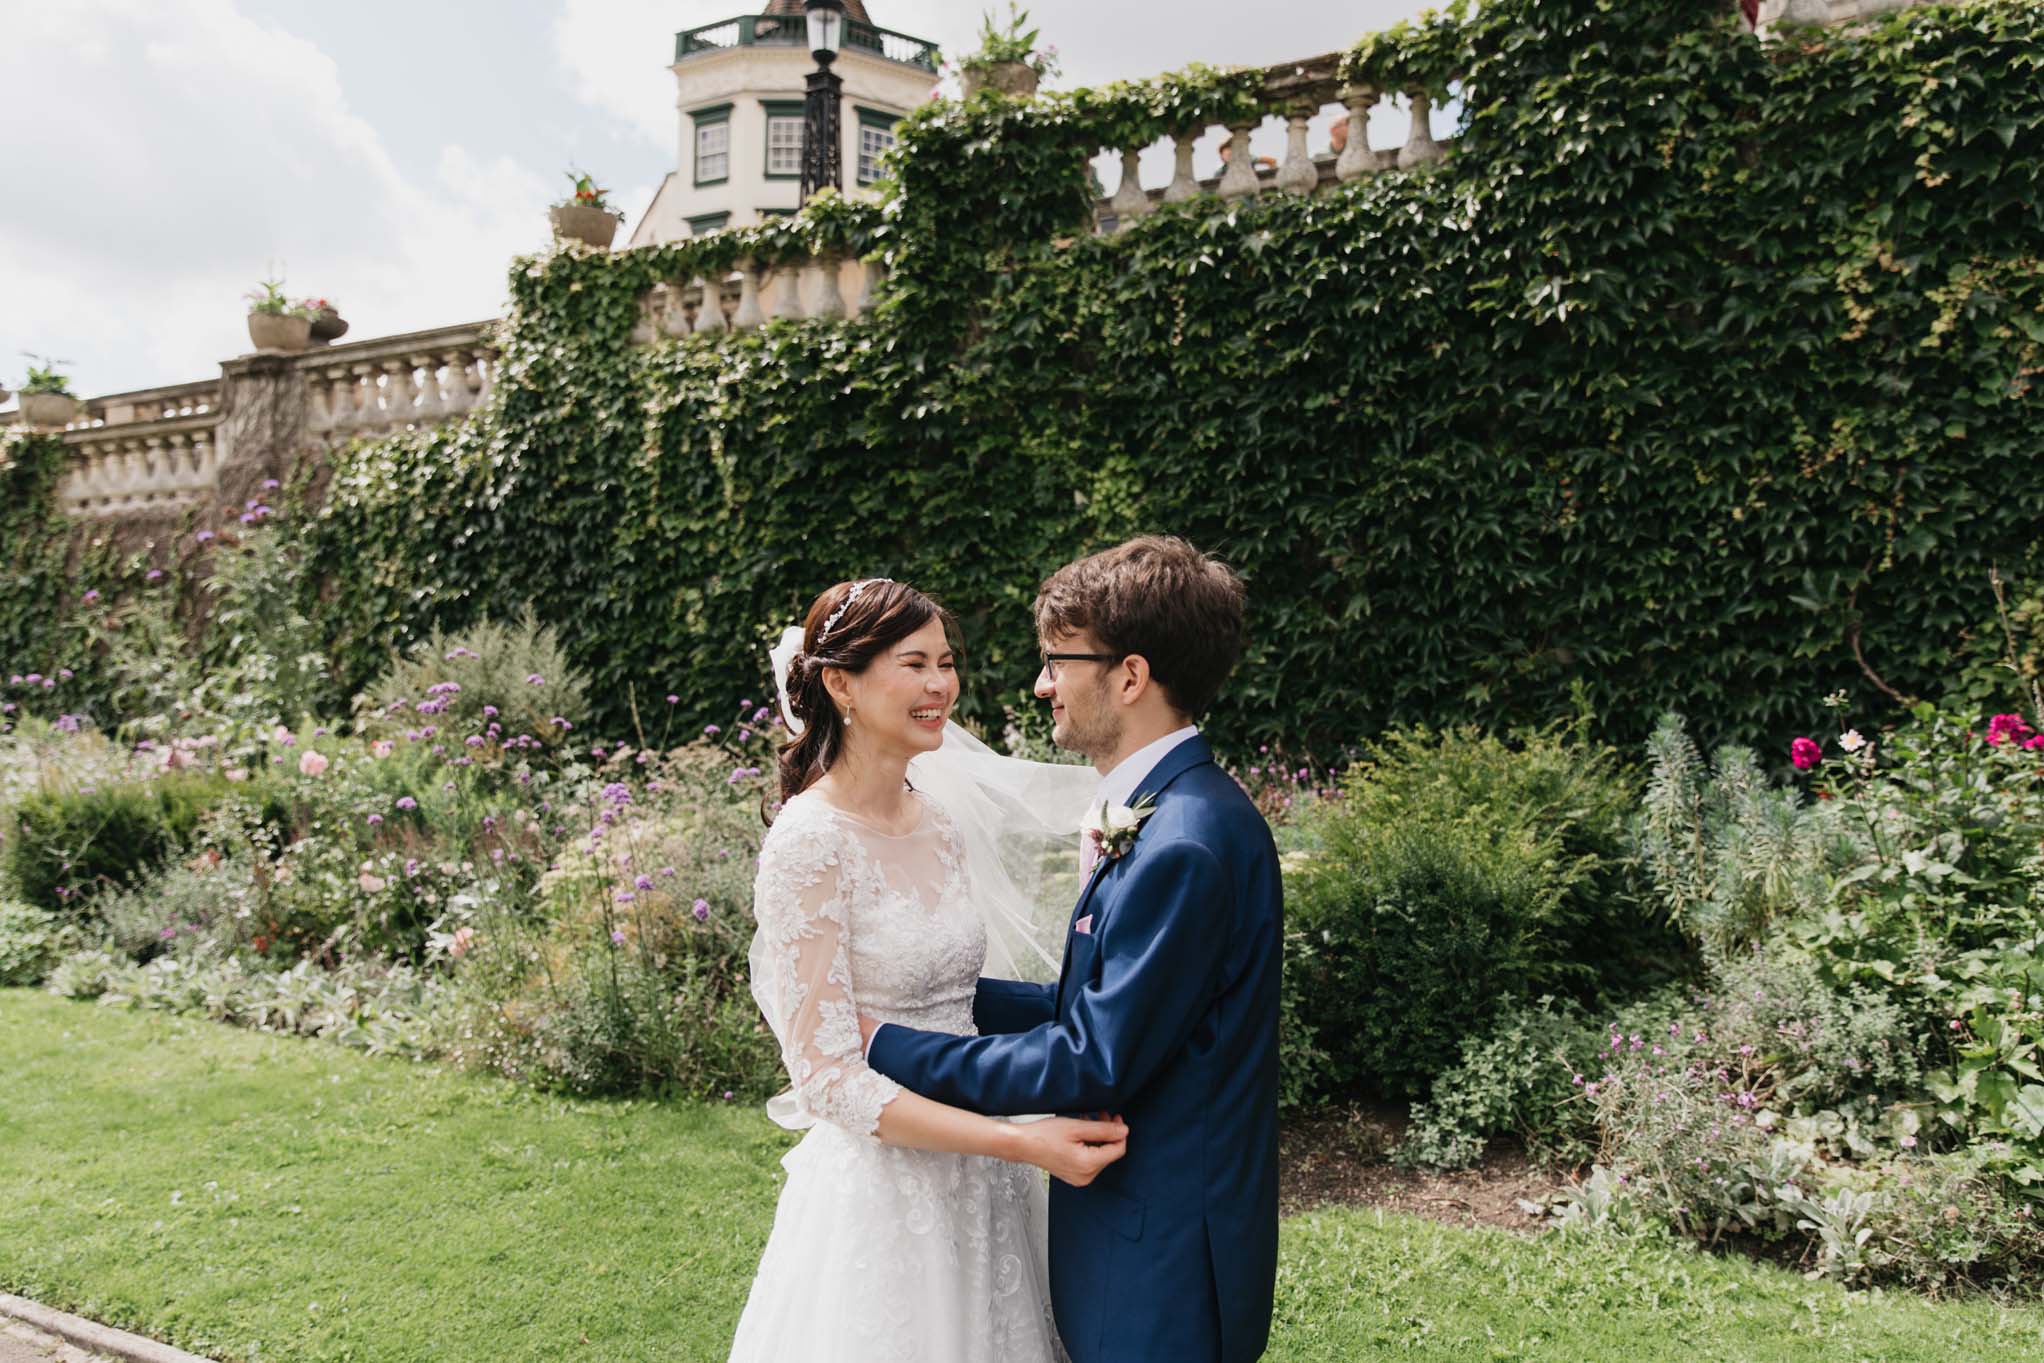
point(1162, 950)
point(1001, 1006)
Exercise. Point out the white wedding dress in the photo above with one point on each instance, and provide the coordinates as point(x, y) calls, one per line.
point(880, 1254)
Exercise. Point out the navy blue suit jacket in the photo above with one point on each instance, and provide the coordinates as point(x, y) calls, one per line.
point(1167, 1013)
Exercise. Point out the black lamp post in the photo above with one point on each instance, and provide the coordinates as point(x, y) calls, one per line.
point(822, 142)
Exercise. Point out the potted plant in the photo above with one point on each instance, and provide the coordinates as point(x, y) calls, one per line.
point(274, 321)
point(328, 325)
point(586, 215)
point(46, 398)
point(1008, 59)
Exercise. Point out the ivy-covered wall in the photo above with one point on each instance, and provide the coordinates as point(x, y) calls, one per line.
point(1697, 366)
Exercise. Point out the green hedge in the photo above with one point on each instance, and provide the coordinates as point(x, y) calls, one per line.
point(1699, 363)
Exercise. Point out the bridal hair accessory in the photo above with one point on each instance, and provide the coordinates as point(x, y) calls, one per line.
point(830, 623)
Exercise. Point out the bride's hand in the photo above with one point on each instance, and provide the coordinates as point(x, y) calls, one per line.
point(1073, 1150)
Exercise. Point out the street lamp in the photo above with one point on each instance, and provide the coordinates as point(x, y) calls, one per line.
point(822, 143)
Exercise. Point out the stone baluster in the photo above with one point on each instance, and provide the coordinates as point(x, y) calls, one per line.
point(127, 477)
point(319, 416)
point(1357, 160)
point(673, 311)
point(1184, 184)
point(158, 484)
point(1129, 201)
point(367, 414)
point(647, 329)
point(873, 276)
point(1420, 146)
point(484, 375)
point(749, 315)
point(788, 290)
point(340, 407)
point(710, 308)
point(397, 391)
point(205, 459)
point(177, 467)
point(1239, 179)
point(1298, 174)
point(830, 297)
point(432, 406)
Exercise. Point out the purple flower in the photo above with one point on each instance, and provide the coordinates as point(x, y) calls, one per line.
point(712, 730)
point(375, 819)
point(617, 936)
point(66, 673)
point(203, 535)
point(407, 802)
point(624, 896)
point(91, 594)
point(489, 712)
point(535, 680)
point(674, 700)
point(644, 882)
point(271, 483)
point(560, 724)
point(701, 910)
point(67, 724)
point(667, 872)
point(152, 574)
point(618, 793)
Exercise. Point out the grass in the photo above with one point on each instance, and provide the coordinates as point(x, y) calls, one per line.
point(257, 1197)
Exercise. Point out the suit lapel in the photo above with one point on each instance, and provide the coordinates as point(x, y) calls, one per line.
point(1191, 753)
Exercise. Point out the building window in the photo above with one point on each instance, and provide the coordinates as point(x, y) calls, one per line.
point(785, 137)
point(707, 223)
point(713, 145)
point(876, 135)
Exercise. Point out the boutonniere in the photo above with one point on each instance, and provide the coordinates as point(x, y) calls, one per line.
point(1112, 828)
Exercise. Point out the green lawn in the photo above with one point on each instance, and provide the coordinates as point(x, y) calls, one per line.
point(257, 1197)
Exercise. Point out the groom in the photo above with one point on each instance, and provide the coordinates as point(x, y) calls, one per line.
point(1166, 1011)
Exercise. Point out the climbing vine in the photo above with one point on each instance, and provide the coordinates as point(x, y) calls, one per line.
point(1701, 373)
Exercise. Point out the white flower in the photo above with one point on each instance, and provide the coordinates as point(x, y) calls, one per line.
point(1851, 741)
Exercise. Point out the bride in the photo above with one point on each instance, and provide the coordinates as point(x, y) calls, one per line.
point(907, 1230)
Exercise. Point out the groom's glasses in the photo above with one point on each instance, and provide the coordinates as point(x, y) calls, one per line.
point(1051, 660)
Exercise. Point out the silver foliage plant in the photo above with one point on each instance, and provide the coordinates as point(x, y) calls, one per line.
point(1729, 852)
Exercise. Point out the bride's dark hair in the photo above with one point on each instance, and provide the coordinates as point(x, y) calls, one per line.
point(883, 614)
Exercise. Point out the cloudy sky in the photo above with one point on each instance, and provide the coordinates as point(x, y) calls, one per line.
point(163, 155)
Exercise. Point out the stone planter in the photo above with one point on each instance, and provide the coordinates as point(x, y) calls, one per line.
point(1010, 78)
point(591, 226)
point(328, 326)
point(48, 410)
point(279, 331)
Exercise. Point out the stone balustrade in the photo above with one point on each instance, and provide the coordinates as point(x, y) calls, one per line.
point(1295, 92)
point(419, 378)
point(826, 286)
point(159, 450)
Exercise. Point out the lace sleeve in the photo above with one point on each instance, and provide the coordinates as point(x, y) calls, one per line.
point(802, 975)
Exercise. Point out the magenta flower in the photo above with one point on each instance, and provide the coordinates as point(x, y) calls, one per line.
point(152, 574)
point(2003, 728)
point(535, 680)
point(674, 700)
point(1805, 754)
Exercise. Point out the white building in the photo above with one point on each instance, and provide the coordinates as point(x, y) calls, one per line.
point(739, 92)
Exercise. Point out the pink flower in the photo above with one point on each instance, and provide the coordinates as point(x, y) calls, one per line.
point(371, 884)
point(2002, 728)
point(382, 747)
point(464, 938)
point(284, 736)
point(311, 763)
point(2034, 741)
point(1805, 754)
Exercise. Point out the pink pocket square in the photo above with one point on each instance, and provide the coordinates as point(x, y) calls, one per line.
point(1084, 925)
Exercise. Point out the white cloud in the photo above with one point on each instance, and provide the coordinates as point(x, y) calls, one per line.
point(199, 147)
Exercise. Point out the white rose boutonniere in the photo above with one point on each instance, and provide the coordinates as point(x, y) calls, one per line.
point(1111, 828)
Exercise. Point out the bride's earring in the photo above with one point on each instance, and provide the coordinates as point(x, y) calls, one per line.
point(848, 719)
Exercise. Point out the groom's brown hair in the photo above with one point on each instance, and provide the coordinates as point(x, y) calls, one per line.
point(1159, 597)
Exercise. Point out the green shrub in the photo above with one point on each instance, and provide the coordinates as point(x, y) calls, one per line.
point(65, 846)
point(30, 942)
point(1514, 1077)
point(1455, 870)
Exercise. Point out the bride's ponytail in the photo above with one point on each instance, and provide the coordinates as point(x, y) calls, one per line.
point(847, 627)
